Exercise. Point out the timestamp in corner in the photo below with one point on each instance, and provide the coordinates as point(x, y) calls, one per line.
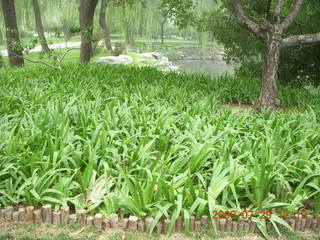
point(260, 214)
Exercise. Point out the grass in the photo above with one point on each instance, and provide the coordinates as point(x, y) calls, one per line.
point(12, 237)
point(74, 56)
point(141, 142)
point(132, 236)
point(43, 232)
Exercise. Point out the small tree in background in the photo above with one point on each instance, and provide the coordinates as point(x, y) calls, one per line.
point(39, 26)
point(104, 26)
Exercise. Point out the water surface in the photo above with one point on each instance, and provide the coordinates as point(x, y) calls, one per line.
point(215, 67)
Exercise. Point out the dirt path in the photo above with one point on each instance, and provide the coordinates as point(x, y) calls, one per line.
point(51, 232)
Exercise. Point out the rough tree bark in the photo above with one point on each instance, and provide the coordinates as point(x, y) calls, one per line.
point(104, 26)
point(87, 8)
point(13, 40)
point(271, 34)
point(39, 26)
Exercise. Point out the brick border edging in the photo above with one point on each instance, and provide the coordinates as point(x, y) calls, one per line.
point(48, 216)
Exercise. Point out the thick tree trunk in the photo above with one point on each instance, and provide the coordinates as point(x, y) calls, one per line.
point(104, 26)
point(87, 8)
point(13, 40)
point(39, 26)
point(269, 92)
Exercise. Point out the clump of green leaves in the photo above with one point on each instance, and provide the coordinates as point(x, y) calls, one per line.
point(146, 143)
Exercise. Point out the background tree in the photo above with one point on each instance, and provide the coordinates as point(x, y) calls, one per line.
point(12, 33)
point(61, 17)
point(1, 27)
point(87, 9)
point(104, 26)
point(39, 26)
point(129, 15)
point(1, 37)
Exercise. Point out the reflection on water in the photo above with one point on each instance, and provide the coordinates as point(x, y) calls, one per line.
point(213, 67)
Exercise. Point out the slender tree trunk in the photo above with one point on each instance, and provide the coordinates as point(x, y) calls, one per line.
point(132, 40)
point(87, 8)
point(104, 26)
point(162, 32)
point(42, 38)
point(269, 92)
point(1, 61)
point(12, 33)
point(129, 36)
point(66, 32)
point(28, 26)
point(1, 37)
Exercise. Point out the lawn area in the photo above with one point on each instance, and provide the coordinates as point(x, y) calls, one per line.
point(142, 142)
point(74, 56)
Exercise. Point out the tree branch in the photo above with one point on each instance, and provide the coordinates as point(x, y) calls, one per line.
point(277, 11)
point(292, 15)
point(40, 62)
point(65, 53)
point(59, 59)
point(244, 20)
point(301, 39)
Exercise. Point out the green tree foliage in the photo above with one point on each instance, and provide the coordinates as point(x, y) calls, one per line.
point(182, 12)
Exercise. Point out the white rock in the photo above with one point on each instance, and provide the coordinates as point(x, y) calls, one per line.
point(116, 60)
point(144, 61)
point(147, 55)
point(153, 55)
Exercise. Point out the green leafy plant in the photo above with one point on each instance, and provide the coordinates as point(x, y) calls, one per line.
point(141, 142)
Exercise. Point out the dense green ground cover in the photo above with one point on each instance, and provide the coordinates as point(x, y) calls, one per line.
point(142, 142)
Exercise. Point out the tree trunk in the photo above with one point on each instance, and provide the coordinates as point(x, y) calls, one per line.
point(1, 61)
point(87, 8)
point(1, 37)
point(12, 33)
point(28, 23)
point(66, 32)
point(104, 26)
point(39, 26)
point(269, 92)
point(162, 32)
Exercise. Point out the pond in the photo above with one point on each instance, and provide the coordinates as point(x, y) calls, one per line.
point(214, 67)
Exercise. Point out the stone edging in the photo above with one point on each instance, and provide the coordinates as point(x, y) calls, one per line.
point(48, 216)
